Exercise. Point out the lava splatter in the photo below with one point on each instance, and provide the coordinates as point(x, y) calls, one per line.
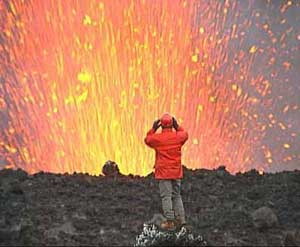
point(82, 81)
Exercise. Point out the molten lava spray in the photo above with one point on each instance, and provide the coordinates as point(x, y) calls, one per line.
point(83, 81)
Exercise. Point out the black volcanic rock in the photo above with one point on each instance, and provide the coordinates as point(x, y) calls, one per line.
point(264, 218)
point(292, 238)
point(110, 169)
point(78, 209)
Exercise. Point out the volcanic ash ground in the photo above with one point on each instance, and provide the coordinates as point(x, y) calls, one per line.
point(241, 210)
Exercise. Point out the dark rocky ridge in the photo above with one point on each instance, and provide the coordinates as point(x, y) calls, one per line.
point(78, 209)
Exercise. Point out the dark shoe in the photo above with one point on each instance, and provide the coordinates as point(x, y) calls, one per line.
point(179, 224)
point(168, 225)
point(188, 227)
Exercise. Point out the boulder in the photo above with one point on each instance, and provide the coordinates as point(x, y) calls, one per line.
point(110, 169)
point(264, 218)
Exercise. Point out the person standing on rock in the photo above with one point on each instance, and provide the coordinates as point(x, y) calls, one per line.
point(168, 168)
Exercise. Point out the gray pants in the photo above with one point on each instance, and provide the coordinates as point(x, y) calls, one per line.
point(171, 199)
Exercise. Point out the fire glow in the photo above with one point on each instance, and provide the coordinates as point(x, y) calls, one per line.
point(84, 80)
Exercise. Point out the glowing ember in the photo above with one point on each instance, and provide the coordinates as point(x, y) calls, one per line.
point(82, 82)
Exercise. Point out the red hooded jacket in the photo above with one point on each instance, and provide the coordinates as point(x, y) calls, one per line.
point(167, 146)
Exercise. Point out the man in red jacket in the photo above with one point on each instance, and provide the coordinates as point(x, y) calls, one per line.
point(168, 167)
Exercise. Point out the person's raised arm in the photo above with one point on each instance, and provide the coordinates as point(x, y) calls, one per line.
point(183, 135)
point(150, 139)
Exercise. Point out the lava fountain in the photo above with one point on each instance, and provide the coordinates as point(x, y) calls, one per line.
point(82, 82)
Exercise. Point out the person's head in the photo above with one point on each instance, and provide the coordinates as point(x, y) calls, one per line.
point(166, 121)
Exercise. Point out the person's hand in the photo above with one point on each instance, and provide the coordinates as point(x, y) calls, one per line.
point(175, 124)
point(156, 124)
